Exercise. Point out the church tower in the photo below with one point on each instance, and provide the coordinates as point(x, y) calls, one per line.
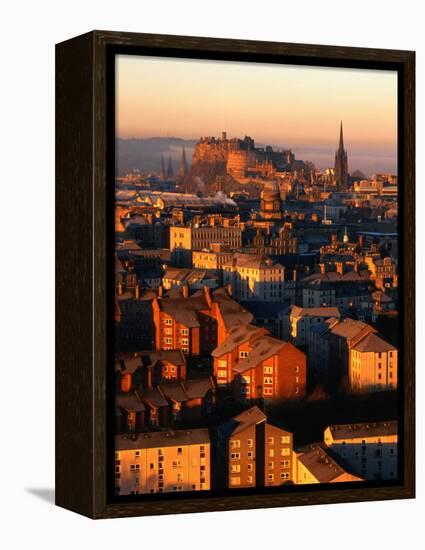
point(183, 165)
point(341, 164)
point(170, 174)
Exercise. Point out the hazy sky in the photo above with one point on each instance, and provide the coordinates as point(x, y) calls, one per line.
point(284, 105)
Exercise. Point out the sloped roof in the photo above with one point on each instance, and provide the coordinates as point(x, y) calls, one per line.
point(319, 462)
point(373, 343)
point(130, 402)
point(237, 335)
point(297, 311)
point(262, 348)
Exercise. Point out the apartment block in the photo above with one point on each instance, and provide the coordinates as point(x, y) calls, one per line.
point(160, 462)
point(373, 364)
point(254, 453)
point(257, 365)
point(369, 448)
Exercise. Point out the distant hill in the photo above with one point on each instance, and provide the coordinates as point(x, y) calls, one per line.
point(145, 154)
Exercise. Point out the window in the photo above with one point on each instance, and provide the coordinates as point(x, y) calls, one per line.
point(271, 465)
point(268, 380)
point(235, 481)
point(235, 456)
point(179, 476)
point(271, 453)
point(297, 369)
point(134, 467)
point(235, 468)
point(268, 370)
point(249, 479)
point(250, 454)
point(285, 439)
point(168, 340)
point(268, 391)
point(270, 477)
point(284, 475)
point(178, 488)
point(179, 450)
point(285, 463)
point(137, 454)
point(243, 354)
point(271, 440)
point(235, 443)
point(285, 451)
point(178, 463)
point(185, 331)
point(222, 374)
point(250, 467)
point(168, 321)
point(250, 442)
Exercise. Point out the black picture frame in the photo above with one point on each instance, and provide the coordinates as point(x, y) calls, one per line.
point(84, 270)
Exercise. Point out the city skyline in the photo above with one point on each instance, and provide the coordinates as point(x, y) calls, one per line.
point(298, 107)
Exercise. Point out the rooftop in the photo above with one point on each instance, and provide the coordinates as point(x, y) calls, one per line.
point(364, 430)
point(150, 440)
point(373, 343)
point(319, 462)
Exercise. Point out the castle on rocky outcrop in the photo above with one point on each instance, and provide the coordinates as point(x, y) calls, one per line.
point(238, 158)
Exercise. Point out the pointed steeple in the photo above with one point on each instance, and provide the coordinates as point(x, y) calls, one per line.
point(169, 168)
point(183, 165)
point(162, 171)
point(341, 164)
point(341, 138)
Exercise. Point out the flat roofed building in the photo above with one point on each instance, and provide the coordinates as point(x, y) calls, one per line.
point(369, 448)
point(157, 462)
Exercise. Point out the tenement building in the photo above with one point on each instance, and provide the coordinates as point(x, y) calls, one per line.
point(255, 277)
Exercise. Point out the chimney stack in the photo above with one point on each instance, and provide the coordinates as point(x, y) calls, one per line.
point(229, 289)
point(185, 291)
point(137, 292)
point(119, 288)
point(160, 291)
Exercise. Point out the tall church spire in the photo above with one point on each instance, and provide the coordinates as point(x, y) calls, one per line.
point(341, 138)
point(169, 168)
point(183, 164)
point(162, 171)
point(341, 164)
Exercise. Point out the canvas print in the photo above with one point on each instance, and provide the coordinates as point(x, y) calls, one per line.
point(256, 274)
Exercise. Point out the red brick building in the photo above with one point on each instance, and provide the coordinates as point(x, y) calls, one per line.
point(257, 366)
point(195, 324)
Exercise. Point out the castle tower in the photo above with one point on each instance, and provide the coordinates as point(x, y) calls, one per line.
point(162, 171)
point(341, 164)
point(170, 174)
point(183, 165)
